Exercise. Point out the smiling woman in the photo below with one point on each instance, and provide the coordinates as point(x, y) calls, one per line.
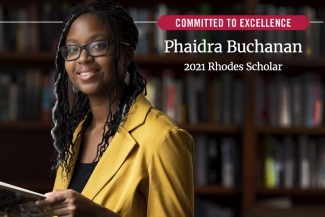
point(106, 162)
point(91, 66)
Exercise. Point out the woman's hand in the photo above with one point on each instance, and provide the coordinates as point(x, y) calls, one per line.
point(70, 203)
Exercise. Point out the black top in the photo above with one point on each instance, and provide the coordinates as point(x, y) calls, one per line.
point(81, 175)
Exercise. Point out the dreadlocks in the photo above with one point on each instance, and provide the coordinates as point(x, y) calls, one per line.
point(66, 117)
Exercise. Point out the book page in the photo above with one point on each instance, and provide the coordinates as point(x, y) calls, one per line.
point(20, 202)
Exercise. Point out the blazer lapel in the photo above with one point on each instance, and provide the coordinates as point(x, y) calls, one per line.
point(119, 148)
point(110, 163)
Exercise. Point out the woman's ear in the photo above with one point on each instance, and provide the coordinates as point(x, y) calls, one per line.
point(128, 56)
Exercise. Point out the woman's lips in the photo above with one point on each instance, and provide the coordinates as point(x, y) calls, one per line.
point(86, 75)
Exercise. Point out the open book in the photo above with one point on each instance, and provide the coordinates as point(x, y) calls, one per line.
point(20, 202)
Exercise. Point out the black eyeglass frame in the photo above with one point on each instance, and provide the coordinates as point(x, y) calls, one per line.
point(85, 47)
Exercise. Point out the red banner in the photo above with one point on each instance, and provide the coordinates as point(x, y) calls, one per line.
point(233, 22)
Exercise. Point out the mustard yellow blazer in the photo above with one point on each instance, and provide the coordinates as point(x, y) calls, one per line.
point(147, 169)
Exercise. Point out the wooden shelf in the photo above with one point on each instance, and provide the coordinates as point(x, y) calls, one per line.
point(296, 61)
point(25, 125)
point(194, 128)
point(291, 192)
point(47, 56)
point(186, 58)
point(290, 130)
point(210, 128)
point(39, 56)
point(295, 211)
point(215, 190)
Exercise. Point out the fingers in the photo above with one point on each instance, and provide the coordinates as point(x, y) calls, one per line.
point(63, 211)
point(51, 207)
point(64, 203)
point(60, 202)
point(55, 192)
point(53, 197)
point(57, 211)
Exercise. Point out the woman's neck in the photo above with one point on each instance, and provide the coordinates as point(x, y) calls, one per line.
point(100, 107)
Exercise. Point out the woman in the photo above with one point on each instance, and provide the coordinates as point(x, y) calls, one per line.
point(115, 155)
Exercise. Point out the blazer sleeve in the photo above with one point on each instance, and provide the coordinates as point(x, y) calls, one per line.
point(170, 181)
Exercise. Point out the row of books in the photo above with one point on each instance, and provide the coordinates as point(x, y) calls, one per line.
point(32, 36)
point(196, 97)
point(311, 39)
point(206, 208)
point(280, 101)
point(293, 162)
point(43, 36)
point(283, 101)
point(152, 38)
point(26, 95)
point(216, 161)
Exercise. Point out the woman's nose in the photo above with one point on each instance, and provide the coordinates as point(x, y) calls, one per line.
point(84, 56)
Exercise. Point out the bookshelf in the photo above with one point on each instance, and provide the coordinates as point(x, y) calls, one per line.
point(11, 56)
point(26, 146)
point(19, 136)
point(306, 201)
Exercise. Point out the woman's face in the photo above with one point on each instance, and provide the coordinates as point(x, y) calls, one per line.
point(93, 75)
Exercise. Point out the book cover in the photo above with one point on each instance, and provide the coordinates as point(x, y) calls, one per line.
point(5, 81)
point(304, 162)
point(288, 143)
point(297, 101)
point(238, 102)
point(214, 161)
point(227, 93)
point(169, 88)
point(202, 97)
point(269, 162)
point(46, 98)
point(227, 151)
point(200, 159)
point(191, 92)
point(160, 35)
point(20, 202)
point(215, 100)
point(260, 101)
point(1, 27)
point(179, 102)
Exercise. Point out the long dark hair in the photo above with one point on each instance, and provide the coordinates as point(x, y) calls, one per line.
point(67, 117)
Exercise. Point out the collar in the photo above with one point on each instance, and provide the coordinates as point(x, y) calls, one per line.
point(136, 117)
point(137, 114)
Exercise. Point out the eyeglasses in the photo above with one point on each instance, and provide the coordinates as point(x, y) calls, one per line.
point(93, 48)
